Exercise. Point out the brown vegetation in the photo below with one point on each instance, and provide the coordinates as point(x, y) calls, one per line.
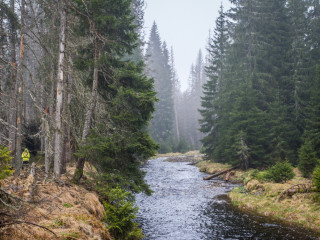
point(59, 210)
point(292, 202)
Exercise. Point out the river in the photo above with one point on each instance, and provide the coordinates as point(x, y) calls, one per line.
point(185, 207)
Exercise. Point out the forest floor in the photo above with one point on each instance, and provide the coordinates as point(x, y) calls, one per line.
point(49, 209)
point(272, 199)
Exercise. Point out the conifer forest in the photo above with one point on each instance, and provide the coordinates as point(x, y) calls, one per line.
point(82, 83)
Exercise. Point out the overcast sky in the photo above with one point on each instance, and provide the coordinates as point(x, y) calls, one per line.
point(184, 25)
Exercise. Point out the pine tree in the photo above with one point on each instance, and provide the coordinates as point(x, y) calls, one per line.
point(310, 151)
point(252, 92)
point(110, 25)
point(209, 107)
point(158, 64)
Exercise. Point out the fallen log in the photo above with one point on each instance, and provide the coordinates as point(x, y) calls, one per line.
point(299, 188)
point(220, 173)
point(194, 163)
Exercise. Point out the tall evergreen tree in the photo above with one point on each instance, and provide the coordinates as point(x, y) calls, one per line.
point(113, 34)
point(252, 102)
point(309, 153)
point(215, 70)
point(158, 63)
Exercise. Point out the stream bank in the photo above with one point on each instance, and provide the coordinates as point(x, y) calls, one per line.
point(263, 198)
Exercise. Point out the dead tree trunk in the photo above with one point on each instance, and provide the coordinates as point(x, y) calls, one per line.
point(88, 120)
point(58, 140)
point(220, 173)
point(19, 94)
point(67, 129)
point(12, 102)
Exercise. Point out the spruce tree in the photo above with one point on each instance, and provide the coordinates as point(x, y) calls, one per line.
point(117, 84)
point(309, 152)
point(158, 64)
point(211, 89)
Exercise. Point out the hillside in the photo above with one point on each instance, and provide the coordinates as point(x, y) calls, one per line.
point(40, 208)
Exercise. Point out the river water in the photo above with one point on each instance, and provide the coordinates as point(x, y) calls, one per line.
point(183, 206)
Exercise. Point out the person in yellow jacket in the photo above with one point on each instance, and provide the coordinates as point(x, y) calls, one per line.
point(25, 157)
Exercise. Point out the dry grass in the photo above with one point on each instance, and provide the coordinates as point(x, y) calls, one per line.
point(70, 211)
point(191, 153)
point(211, 168)
point(302, 209)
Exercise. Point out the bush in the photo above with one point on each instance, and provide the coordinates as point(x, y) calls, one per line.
point(120, 214)
point(316, 178)
point(280, 172)
point(261, 175)
point(5, 159)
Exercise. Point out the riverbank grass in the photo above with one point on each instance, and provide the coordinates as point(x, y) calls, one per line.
point(266, 198)
point(187, 154)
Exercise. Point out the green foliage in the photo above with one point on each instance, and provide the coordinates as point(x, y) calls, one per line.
point(58, 223)
point(117, 158)
point(264, 85)
point(280, 172)
point(5, 160)
point(67, 205)
point(120, 213)
point(260, 175)
point(316, 177)
point(307, 159)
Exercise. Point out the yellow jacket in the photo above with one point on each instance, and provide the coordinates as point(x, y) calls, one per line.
point(25, 156)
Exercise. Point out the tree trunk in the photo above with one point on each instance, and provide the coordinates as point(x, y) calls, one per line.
point(218, 174)
point(2, 73)
point(49, 125)
point(19, 94)
point(65, 126)
point(12, 111)
point(67, 129)
point(88, 120)
point(58, 140)
point(48, 146)
point(176, 120)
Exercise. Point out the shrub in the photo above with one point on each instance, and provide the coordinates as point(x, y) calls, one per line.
point(280, 172)
point(5, 159)
point(316, 178)
point(120, 214)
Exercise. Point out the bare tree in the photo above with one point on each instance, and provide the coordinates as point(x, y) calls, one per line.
point(60, 83)
point(13, 82)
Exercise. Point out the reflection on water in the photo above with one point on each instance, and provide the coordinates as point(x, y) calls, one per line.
point(183, 206)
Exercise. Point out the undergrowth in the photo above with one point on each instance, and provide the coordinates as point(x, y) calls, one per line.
point(280, 172)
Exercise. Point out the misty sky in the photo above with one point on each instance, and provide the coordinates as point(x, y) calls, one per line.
point(184, 25)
